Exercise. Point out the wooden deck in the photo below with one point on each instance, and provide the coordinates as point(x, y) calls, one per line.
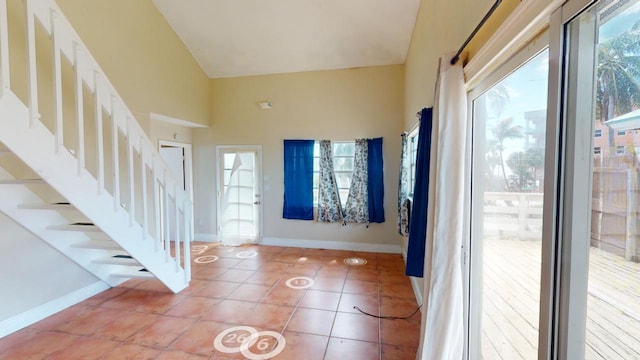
point(511, 303)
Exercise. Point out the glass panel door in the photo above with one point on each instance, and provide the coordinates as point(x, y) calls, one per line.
point(507, 200)
point(239, 196)
point(603, 102)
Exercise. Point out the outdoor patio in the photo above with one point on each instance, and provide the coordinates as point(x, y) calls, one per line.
point(511, 303)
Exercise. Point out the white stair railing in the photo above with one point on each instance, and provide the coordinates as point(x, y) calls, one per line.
point(139, 182)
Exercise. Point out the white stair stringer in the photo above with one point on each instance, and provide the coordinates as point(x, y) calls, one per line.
point(35, 146)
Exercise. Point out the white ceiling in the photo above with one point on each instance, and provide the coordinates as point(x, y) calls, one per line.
point(232, 38)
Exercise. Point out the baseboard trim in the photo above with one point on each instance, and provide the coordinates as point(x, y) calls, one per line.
point(40, 312)
point(415, 282)
point(332, 245)
point(206, 237)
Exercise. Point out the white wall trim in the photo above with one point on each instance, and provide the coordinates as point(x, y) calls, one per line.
point(415, 282)
point(40, 312)
point(206, 237)
point(528, 19)
point(333, 245)
point(175, 121)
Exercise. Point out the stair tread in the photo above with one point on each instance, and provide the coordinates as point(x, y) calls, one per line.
point(77, 226)
point(126, 260)
point(98, 244)
point(134, 274)
point(21, 181)
point(48, 206)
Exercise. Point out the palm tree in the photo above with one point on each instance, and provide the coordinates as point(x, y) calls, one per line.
point(522, 178)
point(505, 129)
point(535, 160)
point(618, 69)
point(496, 99)
point(492, 173)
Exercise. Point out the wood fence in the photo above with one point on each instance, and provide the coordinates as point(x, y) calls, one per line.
point(614, 214)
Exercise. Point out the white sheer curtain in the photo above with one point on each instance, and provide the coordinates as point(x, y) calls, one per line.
point(357, 207)
point(403, 188)
point(329, 206)
point(442, 332)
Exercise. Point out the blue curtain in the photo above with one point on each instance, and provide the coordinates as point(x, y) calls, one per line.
point(375, 181)
point(418, 224)
point(298, 179)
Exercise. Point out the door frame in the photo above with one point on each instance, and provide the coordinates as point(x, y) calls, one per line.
point(188, 163)
point(258, 150)
point(188, 172)
point(571, 89)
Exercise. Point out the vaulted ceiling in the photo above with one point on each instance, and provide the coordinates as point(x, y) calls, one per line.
point(232, 38)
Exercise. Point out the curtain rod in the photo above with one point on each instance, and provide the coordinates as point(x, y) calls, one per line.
point(455, 59)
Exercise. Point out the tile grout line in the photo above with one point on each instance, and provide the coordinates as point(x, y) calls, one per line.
point(379, 319)
point(335, 315)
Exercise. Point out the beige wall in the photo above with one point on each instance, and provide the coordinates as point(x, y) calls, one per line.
point(441, 27)
point(335, 105)
point(143, 57)
point(32, 273)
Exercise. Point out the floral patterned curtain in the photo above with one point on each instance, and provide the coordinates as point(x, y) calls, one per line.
point(357, 207)
point(329, 206)
point(403, 189)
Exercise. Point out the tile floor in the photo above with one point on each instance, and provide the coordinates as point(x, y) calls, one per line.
point(142, 320)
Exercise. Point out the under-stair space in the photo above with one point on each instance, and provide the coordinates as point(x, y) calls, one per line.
point(76, 168)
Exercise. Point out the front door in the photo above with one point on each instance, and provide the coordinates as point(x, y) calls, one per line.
point(239, 197)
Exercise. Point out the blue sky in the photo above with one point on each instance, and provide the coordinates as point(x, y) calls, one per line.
point(620, 23)
point(527, 91)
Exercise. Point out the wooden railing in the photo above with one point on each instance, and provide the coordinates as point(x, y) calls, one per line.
point(510, 214)
point(122, 159)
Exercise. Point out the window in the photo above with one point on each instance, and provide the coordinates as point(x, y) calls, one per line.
point(413, 154)
point(598, 133)
point(343, 154)
point(621, 132)
point(620, 150)
point(597, 150)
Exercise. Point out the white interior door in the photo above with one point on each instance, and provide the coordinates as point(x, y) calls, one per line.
point(239, 195)
point(174, 157)
point(177, 156)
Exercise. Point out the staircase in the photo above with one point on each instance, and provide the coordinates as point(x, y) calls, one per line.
point(82, 174)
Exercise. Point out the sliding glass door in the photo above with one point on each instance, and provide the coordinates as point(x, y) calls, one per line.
point(554, 253)
point(599, 299)
point(509, 120)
